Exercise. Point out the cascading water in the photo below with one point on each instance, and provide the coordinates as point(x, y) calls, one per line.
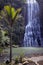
point(32, 35)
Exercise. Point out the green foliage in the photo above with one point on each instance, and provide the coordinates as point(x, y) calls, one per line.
point(1, 49)
point(7, 8)
point(0, 37)
point(0, 17)
point(3, 37)
point(13, 17)
point(19, 28)
point(21, 57)
point(2, 14)
point(16, 59)
point(11, 11)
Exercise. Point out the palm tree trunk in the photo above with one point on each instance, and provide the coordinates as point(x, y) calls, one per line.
point(11, 45)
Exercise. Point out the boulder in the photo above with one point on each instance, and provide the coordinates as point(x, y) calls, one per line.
point(26, 63)
point(20, 64)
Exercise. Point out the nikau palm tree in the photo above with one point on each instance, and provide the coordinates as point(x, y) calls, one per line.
point(10, 17)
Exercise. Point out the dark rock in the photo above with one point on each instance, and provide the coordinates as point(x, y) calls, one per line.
point(7, 61)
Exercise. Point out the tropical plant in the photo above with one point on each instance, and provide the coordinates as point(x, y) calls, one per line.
point(10, 15)
point(16, 60)
point(4, 38)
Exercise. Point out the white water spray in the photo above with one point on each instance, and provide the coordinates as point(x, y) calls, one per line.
point(32, 35)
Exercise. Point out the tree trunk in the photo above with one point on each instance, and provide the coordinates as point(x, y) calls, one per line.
point(11, 46)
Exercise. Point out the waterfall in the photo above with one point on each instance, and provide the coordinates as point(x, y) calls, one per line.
point(32, 36)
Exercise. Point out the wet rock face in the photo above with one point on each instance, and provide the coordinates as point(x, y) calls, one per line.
point(41, 15)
